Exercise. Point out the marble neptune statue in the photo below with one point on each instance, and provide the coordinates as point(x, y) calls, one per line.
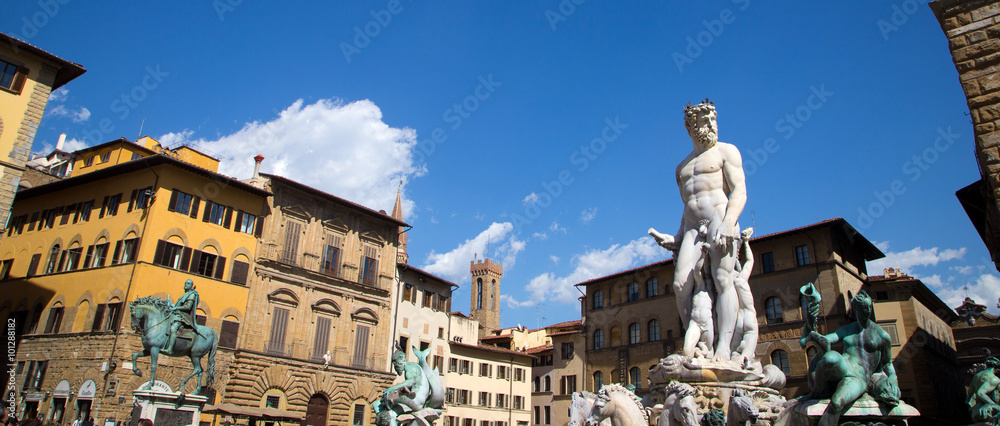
point(712, 187)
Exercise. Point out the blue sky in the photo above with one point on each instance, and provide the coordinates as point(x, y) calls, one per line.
point(548, 131)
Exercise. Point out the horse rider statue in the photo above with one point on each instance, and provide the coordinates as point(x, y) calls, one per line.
point(183, 314)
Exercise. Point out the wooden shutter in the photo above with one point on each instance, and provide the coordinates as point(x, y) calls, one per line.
point(195, 204)
point(240, 272)
point(43, 365)
point(322, 340)
point(53, 313)
point(172, 205)
point(196, 262)
point(208, 211)
point(220, 267)
point(279, 324)
point(239, 221)
point(361, 345)
point(31, 223)
point(227, 337)
point(259, 226)
point(229, 217)
point(186, 259)
point(116, 319)
point(104, 206)
point(86, 260)
point(33, 265)
point(65, 214)
point(289, 252)
point(157, 254)
point(19, 78)
point(118, 250)
point(131, 200)
point(99, 317)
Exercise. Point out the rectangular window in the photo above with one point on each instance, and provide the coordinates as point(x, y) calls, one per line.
point(567, 350)
point(444, 304)
point(5, 267)
point(127, 250)
point(50, 218)
point(66, 213)
point(502, 372)
point(73, 259)
point(501, 400)
point(322, 339)
point(168, 254)
point(106, 157)
point(36, 374)
point(331, 255)
point(32, 221)
point(245, 222)
point(570, 384)
point(358, 417)
point(89, 161)
point(99, 256)
point(428, 299)
point(215, 213)
point(801, 255)
point(290, 251)
point(890, 327)
point(369, 266)
point(241, 271)
point(136, 156)
point(279, 327)
point(484, 399)
point(181, 202)
point(361, 346)
point(453, 365)
point(484, 369)
point(408, 292)
point(548, 415)
point(111, 209)
point(465, 366)
point(450, 396)
point(227, 337)
point(108, 317)
point(85, 209)
point(55, 320)
point(767, 262)
point(518, 402)
point(12, 76)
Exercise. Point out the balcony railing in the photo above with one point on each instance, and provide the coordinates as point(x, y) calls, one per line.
point(272, 348)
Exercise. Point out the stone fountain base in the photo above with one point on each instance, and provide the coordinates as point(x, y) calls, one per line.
point(865, 411)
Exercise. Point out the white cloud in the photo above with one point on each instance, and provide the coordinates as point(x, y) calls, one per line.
point(591, 264)
point(934, 281)
point(532, 198)
point(917, 256)
point(881, 245)
point(540, 236)
point(554, 259)
point(58, 95)
point(69, 145)
point(454, 265)
point(554, 227)
point(344, 149)
point(78, 116)
point(588, 215)
point(964, 270)
point(984, 291)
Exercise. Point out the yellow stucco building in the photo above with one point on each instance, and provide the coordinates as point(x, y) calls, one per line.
point(27, 76)
point(78, 249)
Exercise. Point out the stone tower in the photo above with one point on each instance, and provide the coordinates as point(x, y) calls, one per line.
point(485, 306)
point(397, 213)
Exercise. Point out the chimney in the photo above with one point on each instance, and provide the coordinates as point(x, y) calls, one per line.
point(62, 141)
point(256, 168)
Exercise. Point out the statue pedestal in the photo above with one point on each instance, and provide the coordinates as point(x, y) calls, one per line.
point(164, 407)
point(864, 411)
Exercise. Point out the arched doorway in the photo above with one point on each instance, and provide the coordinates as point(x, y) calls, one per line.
point(316, 411)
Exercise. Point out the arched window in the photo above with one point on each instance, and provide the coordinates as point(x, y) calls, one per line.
point(598, 339)
point(633, 292)
point(780, 359)
point(652, 288)
point(635, 377)
point(773, 308)
point(493, 290)
point(536, 384)
point(479, 293)
point(53, 259)
point(654, 330)
point(548, 384)
point(598, 380)
point(598, 299)
point(633, 333)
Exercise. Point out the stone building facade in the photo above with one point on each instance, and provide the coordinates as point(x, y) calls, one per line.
point(557, 372)
point(323, 283)
point(29, 74)
point(972, 28)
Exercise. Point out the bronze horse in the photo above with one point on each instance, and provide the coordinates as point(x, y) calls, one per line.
point(151, 319)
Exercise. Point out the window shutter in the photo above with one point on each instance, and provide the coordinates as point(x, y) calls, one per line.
point(220, 267)
point(361, 345)
point(208, 211)
point(117, 318)
point(290, 250)
point(43, 365)
point(227, 337)
point(240, 272)
point(194, 206)
point(51, 321)
point(33, 265)
point(172, 205)
point(118, 250)
point(195, 261)
point(104, 206)
point(229, 217)
point(131, 200)
point(239, 221)
point(186, 259)
point(259, 227)
point(31, 223)
point(278, 326)
point(22, 75)
point(322, 340)
point(157, 255)
point(86, 260)
point(98, 317)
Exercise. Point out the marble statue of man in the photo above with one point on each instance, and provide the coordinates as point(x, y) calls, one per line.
point(712, 187)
